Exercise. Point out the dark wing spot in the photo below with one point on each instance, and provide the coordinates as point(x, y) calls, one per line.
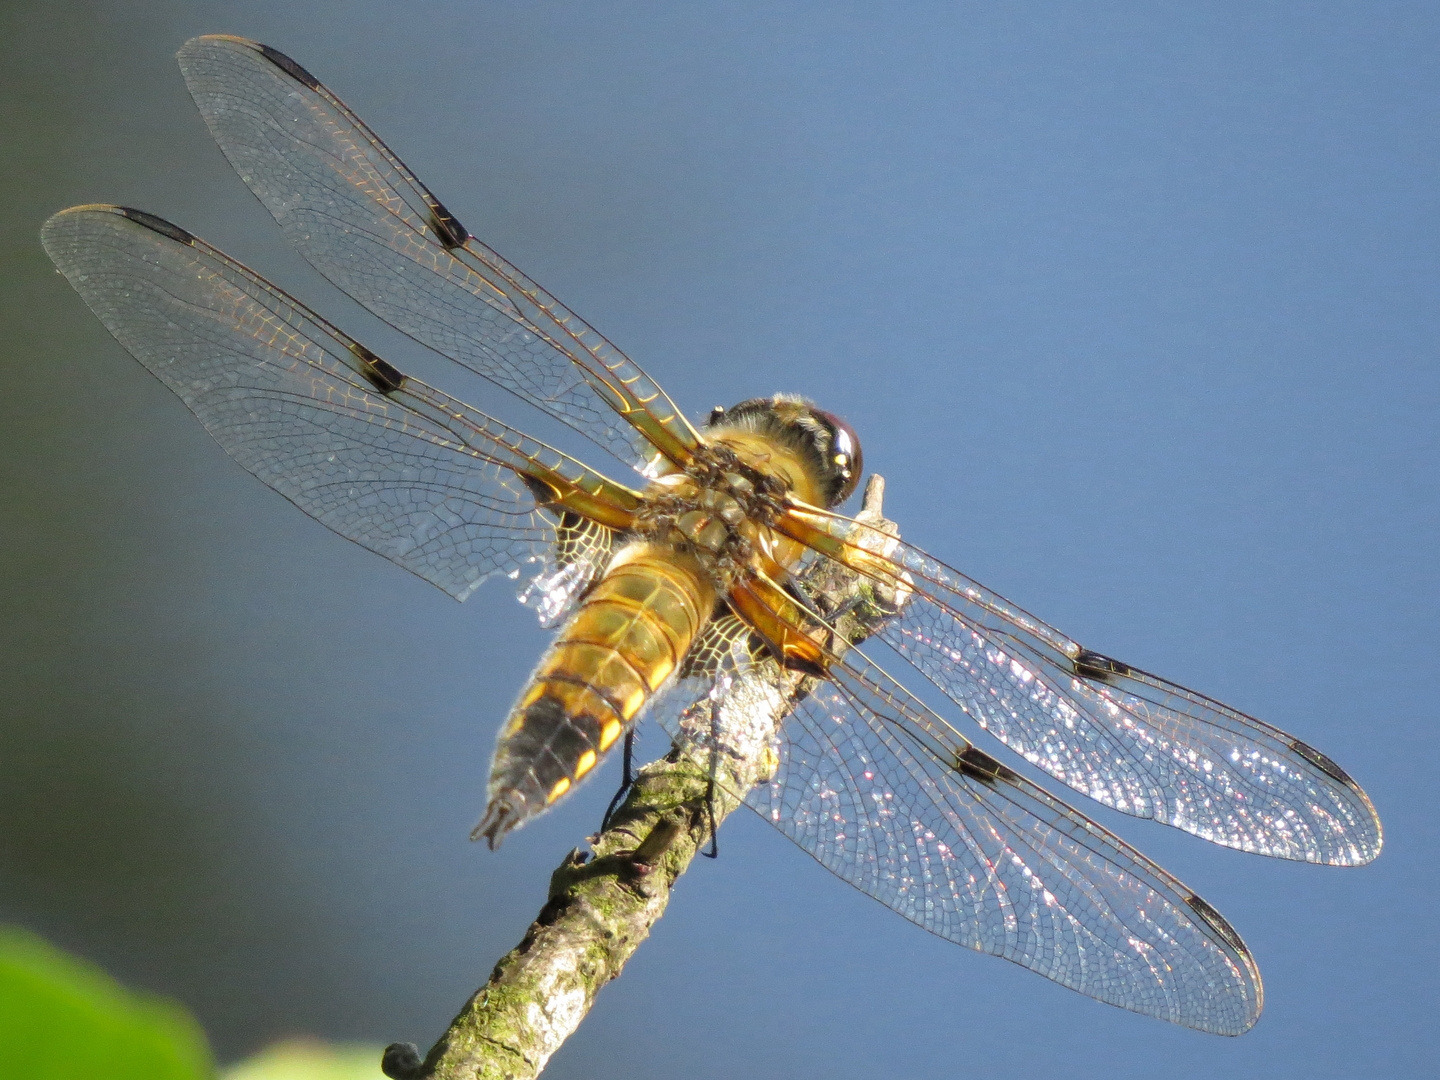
point(447, 227)
point(290, 67)
point(382, 375)
point(978, 765)
point(156, 224)
point(1217, 922)
point(805, 665)
point(1101, 668)
point(544, 494)
point(1321, 762)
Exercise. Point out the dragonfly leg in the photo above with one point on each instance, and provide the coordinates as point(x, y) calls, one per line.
point(627, 778)
point(714, 850)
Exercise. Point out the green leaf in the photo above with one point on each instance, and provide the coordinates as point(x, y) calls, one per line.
point(305, 1059)
point(64, 1019)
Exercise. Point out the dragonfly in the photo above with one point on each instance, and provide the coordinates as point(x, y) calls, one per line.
point(684, 592)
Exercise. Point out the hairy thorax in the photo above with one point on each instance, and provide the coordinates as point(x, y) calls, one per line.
point(719, 509)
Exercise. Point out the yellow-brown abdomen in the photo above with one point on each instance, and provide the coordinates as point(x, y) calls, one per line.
point(626, 639)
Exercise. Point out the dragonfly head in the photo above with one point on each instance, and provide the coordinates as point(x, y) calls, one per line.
point(828, 444)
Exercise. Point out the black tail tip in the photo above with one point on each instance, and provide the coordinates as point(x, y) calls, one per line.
point(501, 816)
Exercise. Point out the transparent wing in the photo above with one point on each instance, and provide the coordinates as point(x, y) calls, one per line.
point(418, 477)
point(580, 555)
point(1128, 739)
point(885, 795)
point(353, 209)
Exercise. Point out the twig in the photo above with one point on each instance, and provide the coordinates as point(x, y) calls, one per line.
point(602, 905)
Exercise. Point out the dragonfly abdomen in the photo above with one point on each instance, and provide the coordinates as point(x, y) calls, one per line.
point(626, 639)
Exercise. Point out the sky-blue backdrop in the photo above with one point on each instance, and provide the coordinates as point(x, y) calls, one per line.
point(1134, 304)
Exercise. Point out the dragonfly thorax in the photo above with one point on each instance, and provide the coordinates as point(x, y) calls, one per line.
point(719, 509)
point(754, 455)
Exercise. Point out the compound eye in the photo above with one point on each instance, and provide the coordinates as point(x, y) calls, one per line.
point(846, 462)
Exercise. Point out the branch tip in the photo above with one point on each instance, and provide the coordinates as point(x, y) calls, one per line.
point(401, 1061)
point(872, 504)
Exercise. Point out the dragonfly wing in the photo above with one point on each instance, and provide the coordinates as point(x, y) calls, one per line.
point(1128, 739)
point(400, 468)
point(886, 796)
point(353, 209)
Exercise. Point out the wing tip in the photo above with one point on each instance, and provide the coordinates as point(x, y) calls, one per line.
point(1367, 852)
point(1222, 929)
point(197, 46)
point(142, 218)
point(1362, 853)
point(201, 40)
point(58, 220)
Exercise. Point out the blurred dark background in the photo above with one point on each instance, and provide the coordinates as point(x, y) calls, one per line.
point(1133, 304)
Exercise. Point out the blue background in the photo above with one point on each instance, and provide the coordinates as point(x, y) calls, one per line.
point(1133, 305)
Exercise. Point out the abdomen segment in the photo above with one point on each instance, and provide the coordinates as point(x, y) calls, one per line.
point(628, 636)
